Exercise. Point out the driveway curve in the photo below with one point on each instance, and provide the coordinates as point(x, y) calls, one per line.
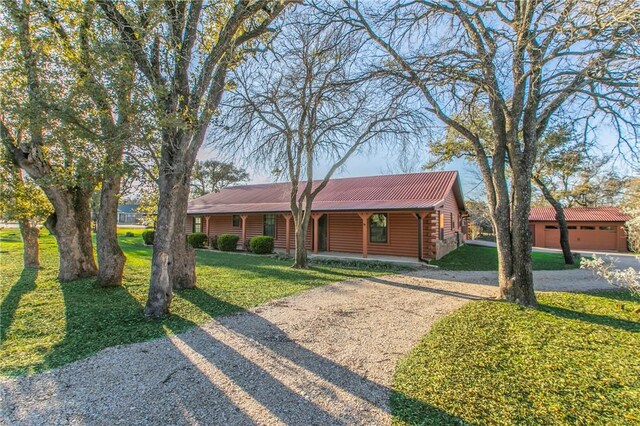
point(326, 356)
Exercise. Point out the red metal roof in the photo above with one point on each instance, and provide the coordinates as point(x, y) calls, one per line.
point(579, 214)
point(391, 192)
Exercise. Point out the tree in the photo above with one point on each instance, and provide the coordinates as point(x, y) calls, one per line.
point(21, 200)
point(184, 51)
point(107, 77)
point(307, 102)
point(524, 63)
point(479, 217)
point(211, 176)
point(90, 98)
point(56, 159)
point(559, 155)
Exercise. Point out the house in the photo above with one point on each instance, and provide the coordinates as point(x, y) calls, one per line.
point(418, 215)
point(128, 214)
point(590, 228)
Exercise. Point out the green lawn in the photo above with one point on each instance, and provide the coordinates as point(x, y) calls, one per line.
point(45, 324)
point(477, 258)
point(575, 361)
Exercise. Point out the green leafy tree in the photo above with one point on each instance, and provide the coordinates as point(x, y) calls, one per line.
point(23, 201)
point(184, 51)
point(35, 84)
point(211, 176)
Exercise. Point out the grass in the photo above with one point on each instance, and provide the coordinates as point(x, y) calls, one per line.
point(46, 324)
point(478, 258)
point(573, 361)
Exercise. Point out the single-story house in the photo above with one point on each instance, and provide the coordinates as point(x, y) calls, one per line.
point(420, 215)
point(590, 228)
point(128, 214)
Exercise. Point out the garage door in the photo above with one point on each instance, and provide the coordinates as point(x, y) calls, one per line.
point(583, 237)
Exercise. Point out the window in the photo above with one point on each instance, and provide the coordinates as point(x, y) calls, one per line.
point(197, 224)
point(550, 227)
point(269, 225)
point(451, 218)
point(378, 228)
point(236, 221)
point(572, 227)
point(588, 228)
point(607, 228)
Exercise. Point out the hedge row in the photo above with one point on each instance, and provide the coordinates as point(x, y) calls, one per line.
point(226, 242)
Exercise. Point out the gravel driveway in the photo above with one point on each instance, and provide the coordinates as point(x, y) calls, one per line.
point(326, 356)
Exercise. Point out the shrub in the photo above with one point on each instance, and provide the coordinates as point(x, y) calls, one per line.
point(261, 244)
point(228, 242)
point(148, 236)
point(197, 239)
point(129, 234)
point(213, 242)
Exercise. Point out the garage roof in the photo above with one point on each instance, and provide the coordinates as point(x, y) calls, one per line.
point(579, 214)
point(391, 192)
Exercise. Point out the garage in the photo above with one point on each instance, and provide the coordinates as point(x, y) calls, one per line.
point(596, 228)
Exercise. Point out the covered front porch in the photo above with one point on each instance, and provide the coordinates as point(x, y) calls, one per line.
point(380, 235)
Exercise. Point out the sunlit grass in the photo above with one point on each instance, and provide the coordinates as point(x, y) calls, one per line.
point(478, 258)
point(573, 361)
point(46, 324)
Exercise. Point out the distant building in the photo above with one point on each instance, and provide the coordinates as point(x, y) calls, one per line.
point(590, 228)
point(128, 215)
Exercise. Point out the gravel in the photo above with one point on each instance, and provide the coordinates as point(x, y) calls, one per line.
point(326, 356)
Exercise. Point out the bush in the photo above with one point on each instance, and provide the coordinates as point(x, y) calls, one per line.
point(148, 236)
point(261, 245)
point(197, 239)
point(129, 234)
point(213, 242)
point(228, 242)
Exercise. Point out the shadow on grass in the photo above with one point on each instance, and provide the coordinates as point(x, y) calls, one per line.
point(97, 318)
point(210, 305)
point(25, 284)
point(414, 412)
point(619, 323)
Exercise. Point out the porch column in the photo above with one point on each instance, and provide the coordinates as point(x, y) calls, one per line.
point(421, 216)
point(365, 232)
point(244, 217)
point(316, 217)
point(206, 226)
point(287, 233)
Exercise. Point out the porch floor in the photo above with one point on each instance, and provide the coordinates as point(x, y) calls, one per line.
point(358, 256)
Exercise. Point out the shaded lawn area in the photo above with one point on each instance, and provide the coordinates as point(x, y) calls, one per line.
point(574, 361)
point(45, 323)
point(478, 258)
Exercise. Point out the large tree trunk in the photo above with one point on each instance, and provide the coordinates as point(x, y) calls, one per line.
point(111, 259)
point(71, 226)
point(511, 223)
point(173, 263)
point(562, 222)
point(184, 256)
point(31, 246)
point(161, 288)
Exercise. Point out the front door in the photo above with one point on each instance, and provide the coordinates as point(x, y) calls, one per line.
point(322, 233)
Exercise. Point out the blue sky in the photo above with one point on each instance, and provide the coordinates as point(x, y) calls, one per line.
point(385, 160)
